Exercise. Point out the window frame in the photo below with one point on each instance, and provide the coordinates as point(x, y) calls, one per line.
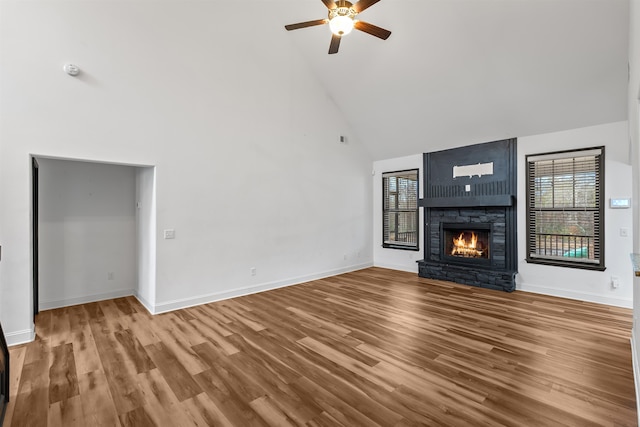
point(390, 245)
point(599, 211)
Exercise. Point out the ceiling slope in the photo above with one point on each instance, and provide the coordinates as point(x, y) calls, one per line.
point(457, 72)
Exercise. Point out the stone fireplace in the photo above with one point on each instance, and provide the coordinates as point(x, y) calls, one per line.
point(470, 215)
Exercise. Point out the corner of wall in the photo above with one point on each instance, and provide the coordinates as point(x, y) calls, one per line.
point(151, 308)
point(21, 337)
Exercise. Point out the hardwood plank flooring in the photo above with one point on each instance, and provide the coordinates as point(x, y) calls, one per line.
point(370, 348)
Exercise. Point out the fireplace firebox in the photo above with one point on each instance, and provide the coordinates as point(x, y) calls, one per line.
point(466, 243)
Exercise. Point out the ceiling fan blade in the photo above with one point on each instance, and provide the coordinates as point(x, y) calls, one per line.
point(372, 29)
point(305, 24)
point(363, 4)
point(330, 4)
point(335, 44)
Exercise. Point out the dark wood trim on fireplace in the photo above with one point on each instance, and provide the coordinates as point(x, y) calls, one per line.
point(448, 202)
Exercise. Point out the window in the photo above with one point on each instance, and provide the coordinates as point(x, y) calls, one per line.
point(400, 209)
point(565, 215)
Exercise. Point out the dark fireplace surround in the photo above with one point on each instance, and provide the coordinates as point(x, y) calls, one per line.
point(470, 233)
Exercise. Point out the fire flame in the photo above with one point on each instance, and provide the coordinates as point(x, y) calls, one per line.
point(468, 249)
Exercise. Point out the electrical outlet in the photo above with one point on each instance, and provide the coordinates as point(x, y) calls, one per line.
point(169, 234)
point(253, 271)
point(615, 282)
point(110, 275)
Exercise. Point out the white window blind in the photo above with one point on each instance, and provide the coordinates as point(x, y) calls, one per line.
point(400, 209)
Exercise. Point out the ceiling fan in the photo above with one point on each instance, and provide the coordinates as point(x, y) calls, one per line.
point(342, 19)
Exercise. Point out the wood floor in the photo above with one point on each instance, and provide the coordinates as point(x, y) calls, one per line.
point(374, 347)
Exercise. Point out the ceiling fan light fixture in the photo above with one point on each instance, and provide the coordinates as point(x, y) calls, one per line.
point(341, 25)
point(341, 18)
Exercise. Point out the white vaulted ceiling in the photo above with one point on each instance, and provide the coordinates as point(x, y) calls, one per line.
point(453, 72)
point(457, 72)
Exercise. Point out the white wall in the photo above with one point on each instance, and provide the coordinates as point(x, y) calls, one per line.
point(576, 283)
point(249, 171)
point(146, 236)
point(634, 140)
point(86, 232)
point(396, 259)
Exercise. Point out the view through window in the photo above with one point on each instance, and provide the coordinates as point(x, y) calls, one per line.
point(400, 209)
point(565, 215)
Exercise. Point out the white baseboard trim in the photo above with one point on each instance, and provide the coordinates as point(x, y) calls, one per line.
point(150, 308)
point(219, 296)
point(582, 296)
point(636, 371)
point(118, 293)
point(20, 337)
point(412, 269)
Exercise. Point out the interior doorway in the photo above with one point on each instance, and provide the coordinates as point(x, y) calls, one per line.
point(34, 232)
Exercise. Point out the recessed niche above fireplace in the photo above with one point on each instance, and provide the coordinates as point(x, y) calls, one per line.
point(470, 218)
